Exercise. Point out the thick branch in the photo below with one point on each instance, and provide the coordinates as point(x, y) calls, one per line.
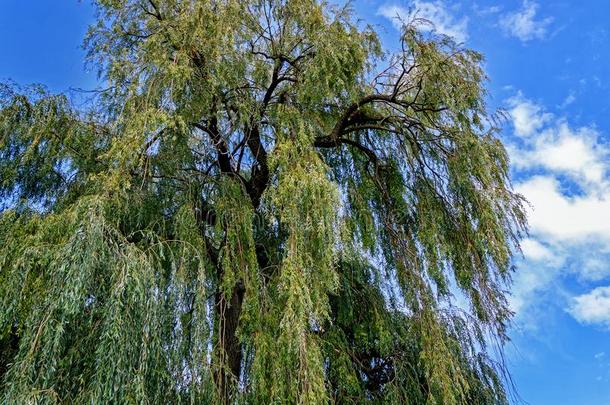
point(348, 115)
point(224, 160)
point(260, 173)
point(328, 142)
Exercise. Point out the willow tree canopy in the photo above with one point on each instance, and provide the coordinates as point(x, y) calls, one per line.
point(261, 206)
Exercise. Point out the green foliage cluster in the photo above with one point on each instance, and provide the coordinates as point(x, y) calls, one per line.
point(262, 206)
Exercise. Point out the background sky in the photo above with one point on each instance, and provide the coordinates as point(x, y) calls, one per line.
point(549, 68)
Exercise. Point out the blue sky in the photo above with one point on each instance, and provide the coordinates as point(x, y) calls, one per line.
point(549, 67)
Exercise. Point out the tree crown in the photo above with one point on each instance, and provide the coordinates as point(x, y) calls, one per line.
point(261, 206)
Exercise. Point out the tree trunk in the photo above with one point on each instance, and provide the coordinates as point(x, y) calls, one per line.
point(230, 353)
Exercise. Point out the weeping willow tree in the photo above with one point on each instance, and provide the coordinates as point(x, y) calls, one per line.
point(261, 206)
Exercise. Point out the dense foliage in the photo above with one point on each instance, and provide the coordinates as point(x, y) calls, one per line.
point(261, 206)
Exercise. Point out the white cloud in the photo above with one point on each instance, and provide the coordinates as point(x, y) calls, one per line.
point(595, 267)
point(522, 24)
point(527, 116)
point(536, 251)
point(560, 218)
point(570, 236)
point(564, 175)
point(439, 19)
point(592, 307)
point(553, 145)
point(575, 153)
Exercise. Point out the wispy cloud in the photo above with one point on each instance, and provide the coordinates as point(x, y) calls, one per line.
point(439, 19)
point(569, 100)
point(522, 24)
point(486, 11)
